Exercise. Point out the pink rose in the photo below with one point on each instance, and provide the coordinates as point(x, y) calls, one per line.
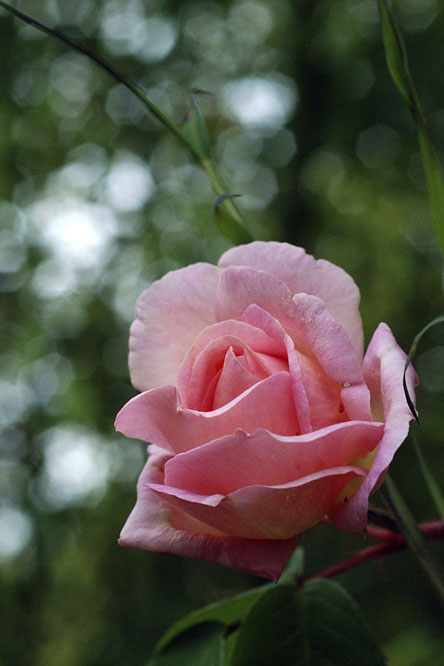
point(262, 415)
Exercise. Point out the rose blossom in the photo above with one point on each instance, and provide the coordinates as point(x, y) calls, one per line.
point(262, 416)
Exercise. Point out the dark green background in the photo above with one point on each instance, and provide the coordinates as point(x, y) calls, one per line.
point(340, 174)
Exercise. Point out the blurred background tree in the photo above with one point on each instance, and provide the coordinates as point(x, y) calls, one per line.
point(96, 201)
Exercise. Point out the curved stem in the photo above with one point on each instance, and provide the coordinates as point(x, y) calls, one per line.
point(415, 539)
point(155, 109)
point(393, 543)
point(235, 230)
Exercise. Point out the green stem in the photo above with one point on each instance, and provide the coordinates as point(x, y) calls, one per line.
point(219, 185)
point(415, 539)
point(228, 217)
point(235, 228)
point(392, 542)
point(155, 109)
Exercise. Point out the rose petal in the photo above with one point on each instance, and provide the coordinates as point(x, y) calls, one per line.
point(192, 383)
point(383, 370)
point(309, 323)
point(154, 524)
point(335, 353)
point(261, 319)
point(210, 363)
point(263, 458)
point(170, 315)
point(302, 273)
point(240, 287)
point(266, 512)
point(154, 416)
point(234, 380)
point(323, 394)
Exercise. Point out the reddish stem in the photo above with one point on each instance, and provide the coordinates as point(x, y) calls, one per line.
point(393, 543)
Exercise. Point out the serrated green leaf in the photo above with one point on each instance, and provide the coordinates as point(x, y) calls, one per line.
point(226, 613)
point(202, 644)
point(273, 631)
point(397, 63)
point(337, 633)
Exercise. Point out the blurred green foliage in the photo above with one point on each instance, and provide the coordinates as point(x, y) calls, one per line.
point(96, 201)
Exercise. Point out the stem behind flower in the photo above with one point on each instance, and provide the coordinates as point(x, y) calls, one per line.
point(414, 538)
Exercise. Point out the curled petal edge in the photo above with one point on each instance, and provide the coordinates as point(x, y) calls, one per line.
point(383, 371)
point(157, 526)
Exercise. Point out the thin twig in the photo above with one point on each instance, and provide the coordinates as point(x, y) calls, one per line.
point(393, 543)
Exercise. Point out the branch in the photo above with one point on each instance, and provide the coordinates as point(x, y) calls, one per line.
point(393, 543)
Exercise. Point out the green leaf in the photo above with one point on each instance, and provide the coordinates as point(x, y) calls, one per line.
point(435, 184)
point(273, 631)
point(396, 56)
point(226, 613)
point(337, 633)
point(273, 624)
point(202, 644)
point(195, 130)
point(322, 626)
point(228, 220)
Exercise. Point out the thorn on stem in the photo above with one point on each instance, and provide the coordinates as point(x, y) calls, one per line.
point(223, 197)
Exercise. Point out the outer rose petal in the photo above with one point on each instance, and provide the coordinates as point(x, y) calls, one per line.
point(263, 458)
point(170, 315)
point(154, 416)
point(303, 273)
point(155, 524)
point(266, 512)
point(383, 370)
